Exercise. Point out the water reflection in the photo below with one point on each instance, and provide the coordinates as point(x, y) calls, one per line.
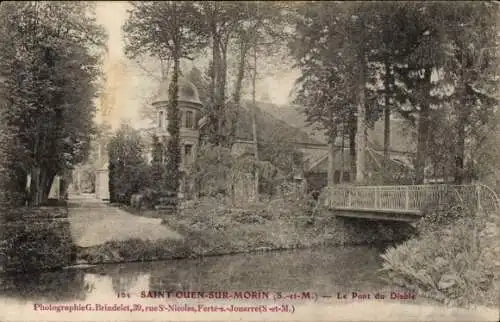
point(67, 285)
point(320, 270)
point(324, 271)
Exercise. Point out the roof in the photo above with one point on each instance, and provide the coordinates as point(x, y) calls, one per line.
point(294, 116)
point(187, 92)
point(269, 126)
point(401, 138)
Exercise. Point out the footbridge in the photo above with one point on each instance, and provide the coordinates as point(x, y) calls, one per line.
point(406, 203)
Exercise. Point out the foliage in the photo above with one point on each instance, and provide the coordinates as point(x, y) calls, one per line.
point(166, 29)
point(215, 227)
point(435, 218)
point(214, 180)
point(171, 175)
point(88, 178)
point(211, 171)
point(96, 158)
point(220, 20)
point(50, 70)
point(261, 32)
point(331, 49)
point(426, 62)
point(215, 169)
point(280, 152)
point(486, 156)
point(270, 176)
point(153, 28)
point(29, 242)
point(393, 174)
point(129, 172)
point(461, 270)
point(201, 82)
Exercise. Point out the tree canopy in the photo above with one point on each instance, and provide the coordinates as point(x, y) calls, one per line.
point(51, 67)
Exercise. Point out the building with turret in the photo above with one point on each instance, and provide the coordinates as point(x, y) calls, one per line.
point(189, 105)
point(287, 120)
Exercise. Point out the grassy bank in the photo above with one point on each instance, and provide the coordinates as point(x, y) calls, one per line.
point(211, 227)
point(33, 239)
point(454, 260)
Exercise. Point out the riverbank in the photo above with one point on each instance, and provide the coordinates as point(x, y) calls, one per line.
point(33, 239)
point(321, 272)
point(453, 259)
point(210, 227)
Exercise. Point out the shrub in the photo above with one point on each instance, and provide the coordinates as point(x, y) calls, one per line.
point(443, 216)
point(210, 173)
point(128, 170)
point(451, 259)
point(32, 242)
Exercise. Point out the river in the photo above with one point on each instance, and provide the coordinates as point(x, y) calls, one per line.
point(314, 280)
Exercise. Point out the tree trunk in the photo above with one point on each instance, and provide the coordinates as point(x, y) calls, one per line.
point(38, 186)
point(241, 73)
point(20, 178)
point(254, 123)
point(423, 131)
point(111, 178)
point(222, 97)
point(463, 112)
point(361, 124)
point(332, 151)
point(172, 181)
point(352, 147)
point(237, 90)
point(387, 116)
point(34, 187)
point(219, 94)
point(49, 180)
point(361, 105)
point(460, 149)
point(214, 113)
point(342, 149)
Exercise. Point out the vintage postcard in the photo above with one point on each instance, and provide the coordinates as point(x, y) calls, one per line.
point(249, 160)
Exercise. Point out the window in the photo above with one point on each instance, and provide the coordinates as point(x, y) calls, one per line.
point(336, 177)
point(161, 118)
point(188, 150)
point(189, 119)
point(347, 176)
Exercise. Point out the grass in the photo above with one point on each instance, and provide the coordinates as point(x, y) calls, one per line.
point(31, 241)
point(455, 262)
point(211, 227)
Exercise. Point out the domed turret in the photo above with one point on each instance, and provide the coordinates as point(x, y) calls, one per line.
point(188, 93)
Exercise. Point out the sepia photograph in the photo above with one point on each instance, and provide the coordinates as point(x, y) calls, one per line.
point(249, 161)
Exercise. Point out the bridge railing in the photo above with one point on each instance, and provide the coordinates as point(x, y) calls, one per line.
point(407, 198)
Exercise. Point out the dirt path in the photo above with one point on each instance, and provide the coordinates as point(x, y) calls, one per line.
point(93, 222)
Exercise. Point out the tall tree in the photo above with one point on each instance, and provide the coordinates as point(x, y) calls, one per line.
point(359, 20)
point(327, 49)
point(473, 41)
point(422, 56)
point(51, 74)
point(254, 121)
point(262, 29)
point(221, 20)
point(166, 29)
point(128, 166)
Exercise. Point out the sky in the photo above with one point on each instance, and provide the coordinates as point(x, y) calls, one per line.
point(130, 86)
